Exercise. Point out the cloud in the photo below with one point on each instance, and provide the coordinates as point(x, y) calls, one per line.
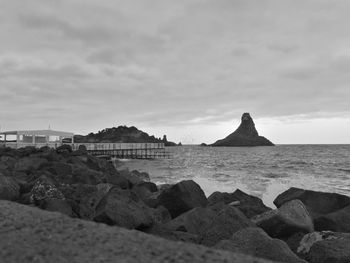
point(89, 64)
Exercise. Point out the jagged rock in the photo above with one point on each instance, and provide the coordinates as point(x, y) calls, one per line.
point(64, 149)
point(194, 221)
point(118, 180)
point(123, 208)
point(29, 164)
point(317, 203)
point(45, 188)
point(227, 221)
point(9, 189)
point(84, 175)
point(326, 247)
point(290, 218)
point(248, 204)
point(245, 135)
point(144, 190)
point(338, 221)
point(254, 241)
point(134, 177)
point(57, 205)
point(182, 197)
point(33, 235)
point(84, 198)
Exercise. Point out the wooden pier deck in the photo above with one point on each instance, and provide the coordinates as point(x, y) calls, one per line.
point(126, 150)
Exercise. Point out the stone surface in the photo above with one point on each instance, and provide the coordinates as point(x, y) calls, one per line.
point(255, 242)
point(289, 219)
point(338, 221)
point(227, 221)
point(9, 189)
point(194, 221)
point(316, 202)
point(326, 247)
point(123, 208)
point(182, 197)
point(57, 205)
point(245, 135)
point(32, 235)
point(45, 188)
point(28, 164)
point(248, 204)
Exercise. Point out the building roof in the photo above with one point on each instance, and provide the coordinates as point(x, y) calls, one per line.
point(39, 132)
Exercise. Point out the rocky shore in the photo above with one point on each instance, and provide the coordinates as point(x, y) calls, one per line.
point(67, 206)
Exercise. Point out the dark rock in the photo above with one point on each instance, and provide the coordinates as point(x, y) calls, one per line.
point(9, 189)
point(338, 221)
point(195, 221)
point(29, 164)
point(64, 149)
point(245, 135)
point(84, 175)
point(144, 190)
point(326, 247)
point(173, 235)
point(84, 198)
point(203, 144)
point(227, 221)
point(7, 164)
point(182, 197)
point(248, 204)
point(57, 205)
point(118, 180)
point(123, 208)
point(160, 215)
point(290, 218)
point(316, 202)
point(254, 241)
point(134, 177)
point(45, 188)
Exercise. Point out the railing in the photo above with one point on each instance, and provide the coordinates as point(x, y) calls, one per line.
point(119, 146)
point(17, 145)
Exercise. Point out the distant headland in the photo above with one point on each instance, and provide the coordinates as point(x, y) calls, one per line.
point(245, 135)
point(122, 134)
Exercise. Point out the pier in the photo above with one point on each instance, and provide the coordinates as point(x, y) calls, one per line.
point(54, 139)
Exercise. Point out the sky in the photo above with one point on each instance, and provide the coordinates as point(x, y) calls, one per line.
point(185, 68)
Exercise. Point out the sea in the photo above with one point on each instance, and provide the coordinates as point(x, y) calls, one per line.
point(261, 171)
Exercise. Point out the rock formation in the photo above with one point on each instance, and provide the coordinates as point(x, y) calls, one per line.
point(245, 135)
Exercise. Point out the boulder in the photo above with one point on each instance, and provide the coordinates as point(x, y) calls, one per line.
point(290, 218)
point(84, 175)
point(326, 247)
point(84, 198)
point(144, 190)
point(245, 135)
point(338, 221)
point(9, 189)
point(159, 231)
point(254, 241)
point(182, 197)
point(194, 221)
point(29, 164)
point(227, 221)
point(248, 204)
point(57, 205)
point(123, 208)
point(118, 180)
point(64, 149)
point(317, 203)
point(45, 188)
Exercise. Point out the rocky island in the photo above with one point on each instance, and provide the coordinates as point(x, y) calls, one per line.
point(245, 135)
point(59, 205)
point(121, 134)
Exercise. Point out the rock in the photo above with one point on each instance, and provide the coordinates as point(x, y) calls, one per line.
point(245, 135)
point(182, 197)
point(118, 180)
point(133, 177)
point(57, 205)
point(317, 203)
point(248, 204)
point(64, 149)
point(324, 247)
point(29, 164)
point(338, 221)
point(84, 175)
point(160, 215)
point(194, 221)
point(254, 241)
point(9, 189)
point(159, 231)
point(33, 235)
point(123, 208)
point(7, 164)
point(227, 221)
point(84, 198)
point(289, 219)
point(45, 188)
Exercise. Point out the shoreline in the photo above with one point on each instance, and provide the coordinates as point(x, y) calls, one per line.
point(81, 186)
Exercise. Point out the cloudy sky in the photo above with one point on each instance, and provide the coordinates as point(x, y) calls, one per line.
point(187, 68)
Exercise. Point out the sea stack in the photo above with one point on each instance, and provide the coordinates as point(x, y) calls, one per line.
point(245, 135)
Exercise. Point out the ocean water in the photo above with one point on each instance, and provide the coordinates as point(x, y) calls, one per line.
point(261, 171)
